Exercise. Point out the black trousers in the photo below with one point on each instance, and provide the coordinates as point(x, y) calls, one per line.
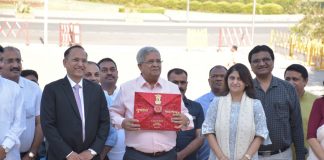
point(132, 154)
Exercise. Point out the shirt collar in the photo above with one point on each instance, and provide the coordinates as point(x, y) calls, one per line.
point(185, 100)
point(143, 83)
point(21, 83)
point(73, 83)
point(274, 82)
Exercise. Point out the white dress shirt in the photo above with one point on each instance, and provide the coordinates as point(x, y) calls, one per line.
point(32, 97)
point(12, 117)
point(82, 102)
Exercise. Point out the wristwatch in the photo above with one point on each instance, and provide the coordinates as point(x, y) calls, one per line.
point(92, 152)
point(247, 156)
point(5, 148)
point(31, 155)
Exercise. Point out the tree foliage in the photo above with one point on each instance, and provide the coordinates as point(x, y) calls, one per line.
point(312, 25)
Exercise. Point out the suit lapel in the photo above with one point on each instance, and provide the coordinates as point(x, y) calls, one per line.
point(86, 97)
point(70, 96)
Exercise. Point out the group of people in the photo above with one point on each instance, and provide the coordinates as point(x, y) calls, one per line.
point(85, 115)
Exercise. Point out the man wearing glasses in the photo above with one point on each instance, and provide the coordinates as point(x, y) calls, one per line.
point(281, 106)
point(147, 144)
point(32, 137)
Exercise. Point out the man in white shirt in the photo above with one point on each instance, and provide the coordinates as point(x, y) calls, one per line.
point(108, 79)
point(12, 117)
point(32, 137)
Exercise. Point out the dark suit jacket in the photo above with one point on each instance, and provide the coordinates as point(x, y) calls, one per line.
point(61, 121)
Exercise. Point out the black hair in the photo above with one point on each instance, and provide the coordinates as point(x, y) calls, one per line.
point(298, 68)
point(106, 60)
point(217, 66)
point(260, 48)
point(67, 52)
point(27, 72)
point(245, 76)
point(177, 71)
point(1, 49)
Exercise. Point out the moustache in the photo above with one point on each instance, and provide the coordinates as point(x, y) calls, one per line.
point(15, 69)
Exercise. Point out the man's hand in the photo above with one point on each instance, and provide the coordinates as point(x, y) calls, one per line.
point(2, 153)
point(74, 156)
point(26, 157)
point(180, 119)
point(180, 156)
point(86, 155)
point(131, 124)
point(104, 152)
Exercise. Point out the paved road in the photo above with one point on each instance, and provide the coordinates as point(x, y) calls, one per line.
point(167, 34)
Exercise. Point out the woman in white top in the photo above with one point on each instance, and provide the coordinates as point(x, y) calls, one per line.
point(235, 124)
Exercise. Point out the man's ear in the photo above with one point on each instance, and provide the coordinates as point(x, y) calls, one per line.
point(64, 62)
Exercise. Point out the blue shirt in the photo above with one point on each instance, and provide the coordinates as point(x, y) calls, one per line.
point(205, 100)
point(112, 136)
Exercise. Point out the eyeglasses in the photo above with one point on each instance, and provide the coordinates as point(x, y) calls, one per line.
point(265, 60)
point(12, 60)
point(150, 62)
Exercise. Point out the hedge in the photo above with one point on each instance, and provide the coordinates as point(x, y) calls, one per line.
point(209, 6)
point(195, 5)
point(223, 7)
point(248, 8)
point(236, 7)
point(272, 8)
point(160, 10)
point(215, 6)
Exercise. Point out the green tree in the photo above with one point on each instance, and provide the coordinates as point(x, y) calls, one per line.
point(312, 25)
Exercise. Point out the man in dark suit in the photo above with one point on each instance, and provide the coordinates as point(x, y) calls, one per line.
point(74, 114)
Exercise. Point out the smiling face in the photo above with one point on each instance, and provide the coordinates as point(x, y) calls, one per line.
point(75, 64)
point(296, 79)
point(151, 67)
point(108, 73)
point(11, 67)
point(92, 73)
point(235, 84)
point(216, 80)
point(262, 64)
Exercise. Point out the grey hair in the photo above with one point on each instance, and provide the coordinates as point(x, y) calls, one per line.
point(11, 48)
point(143, 52)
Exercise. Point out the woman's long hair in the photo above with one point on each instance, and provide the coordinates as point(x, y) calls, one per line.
point(245, 76)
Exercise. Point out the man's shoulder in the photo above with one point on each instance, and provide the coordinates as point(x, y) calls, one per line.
point(56, 83)
point(203, 97)
point(194, 103)
point(29, 84)
point(281, 82)
point(8, 83)
point(92, 85)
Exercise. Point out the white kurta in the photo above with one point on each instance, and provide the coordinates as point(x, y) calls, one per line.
point(12, 117)
point(32, 97)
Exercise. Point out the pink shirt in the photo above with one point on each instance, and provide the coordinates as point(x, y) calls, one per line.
point(144, 140)
point(316, 118)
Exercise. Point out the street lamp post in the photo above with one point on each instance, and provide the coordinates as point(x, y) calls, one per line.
point(45, 22)
point(188, 10)
point(253, 19)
